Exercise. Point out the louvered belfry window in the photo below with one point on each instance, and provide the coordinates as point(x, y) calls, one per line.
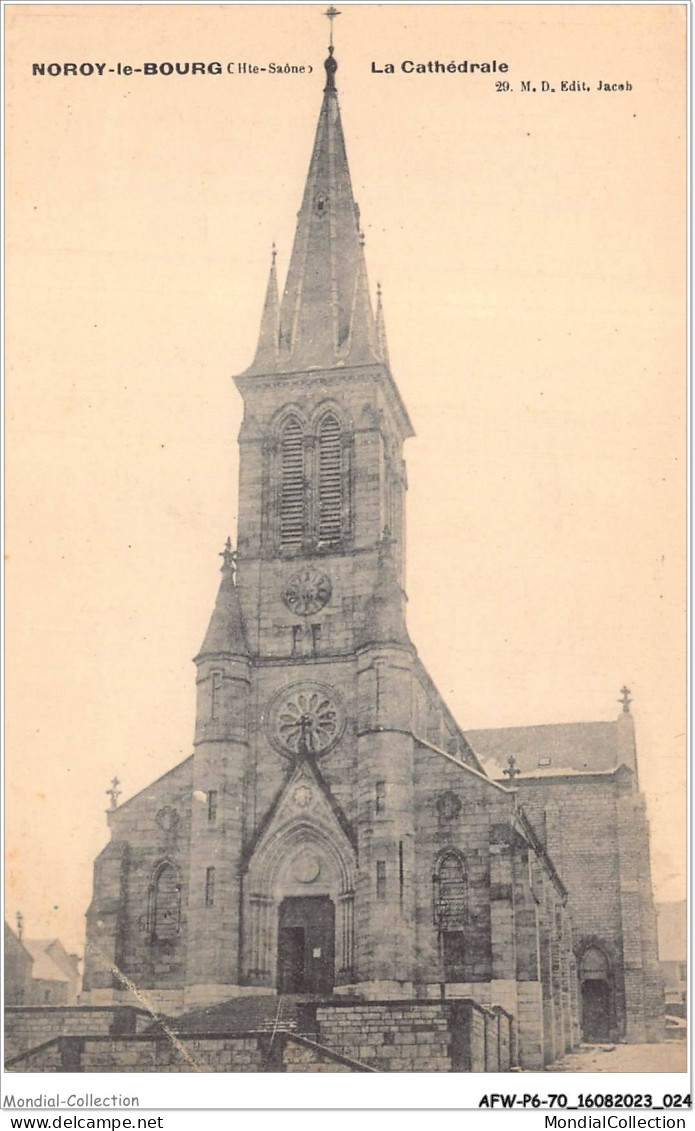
point(292, 505)
point(330, 484)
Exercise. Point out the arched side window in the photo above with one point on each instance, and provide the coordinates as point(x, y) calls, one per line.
point(330, 480)
point(450, 892)
point(292, 500)
point(450, 885)
point(165, 904)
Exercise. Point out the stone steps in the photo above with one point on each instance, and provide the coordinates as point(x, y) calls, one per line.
point(242, 1015)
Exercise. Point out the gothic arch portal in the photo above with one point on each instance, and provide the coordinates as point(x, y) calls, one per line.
point(297, 861)
point(597, 991)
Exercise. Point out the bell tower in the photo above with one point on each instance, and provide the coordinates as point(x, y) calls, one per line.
point(304, 745)
point(322, 478)
point(320, 576)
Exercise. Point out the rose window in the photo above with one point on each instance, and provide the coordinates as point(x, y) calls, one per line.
point(307, 719)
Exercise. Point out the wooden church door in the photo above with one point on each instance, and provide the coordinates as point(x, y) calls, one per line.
point(306, 945)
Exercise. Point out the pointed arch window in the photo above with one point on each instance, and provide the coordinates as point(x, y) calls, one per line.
point(450, 885)
point(330, 480)
point(594, 966)
point(165, 903)
point(292, 502)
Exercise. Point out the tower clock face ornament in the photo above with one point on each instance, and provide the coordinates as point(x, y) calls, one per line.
point(307, 591)
point(305, 719)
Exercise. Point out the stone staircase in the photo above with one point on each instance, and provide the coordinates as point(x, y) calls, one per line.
point(257, 1013)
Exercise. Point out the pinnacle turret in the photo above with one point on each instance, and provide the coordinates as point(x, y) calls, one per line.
point(382, 344)
point(226, 634)
point(268, 339)
point(385, 611)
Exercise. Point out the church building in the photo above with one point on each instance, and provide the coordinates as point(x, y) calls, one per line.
point(335, 833)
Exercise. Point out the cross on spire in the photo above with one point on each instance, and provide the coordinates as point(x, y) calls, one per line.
point(625, 699)
point(512, 769)
point(114, 793)
point(331, 13)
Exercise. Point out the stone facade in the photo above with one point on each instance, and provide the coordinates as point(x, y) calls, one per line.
point(334, 831)
point(578, 784)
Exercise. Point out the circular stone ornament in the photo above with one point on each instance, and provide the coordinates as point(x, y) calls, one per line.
point(168, 819)
point(306, 868)
point(307, 591)
point(305, 718)
point(448, 805)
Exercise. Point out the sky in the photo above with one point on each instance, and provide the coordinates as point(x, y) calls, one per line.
point(530, 247)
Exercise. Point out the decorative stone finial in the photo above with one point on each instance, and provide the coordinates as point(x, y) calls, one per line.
point(20, 925)
point(331, 67)
point(330, 64)
point(625, 699)
point(229, 557)
point(512, 769)
point(114, 793)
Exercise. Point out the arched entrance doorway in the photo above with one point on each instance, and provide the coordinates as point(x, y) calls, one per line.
point(594, 977)
point(298, 910)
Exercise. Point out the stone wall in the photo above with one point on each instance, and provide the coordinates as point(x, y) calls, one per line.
point(415, 1036)
point(596, 830)
point(394, 1036)
point(457, 809)
point(152, 828)
point(29, 1026)
point(220, 1052)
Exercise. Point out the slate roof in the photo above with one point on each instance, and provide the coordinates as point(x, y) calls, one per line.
point(225, 634)
point(550, 748)
point(325, 317)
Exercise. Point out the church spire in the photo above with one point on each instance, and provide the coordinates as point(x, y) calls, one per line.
point(326, 316)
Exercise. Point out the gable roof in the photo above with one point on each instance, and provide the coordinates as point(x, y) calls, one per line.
point(45, 966)
point(110, 813)
point(581, 747)
point(456, 761)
